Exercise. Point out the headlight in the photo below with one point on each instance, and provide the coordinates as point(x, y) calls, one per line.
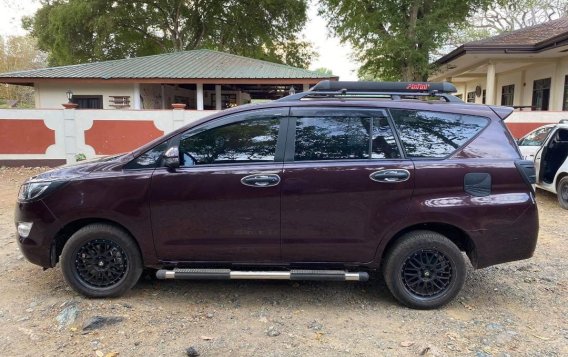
point(34, 190)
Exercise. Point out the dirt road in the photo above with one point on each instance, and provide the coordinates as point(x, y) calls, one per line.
point(517, 309)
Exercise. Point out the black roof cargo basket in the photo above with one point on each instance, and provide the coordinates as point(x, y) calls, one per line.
point(363, 90)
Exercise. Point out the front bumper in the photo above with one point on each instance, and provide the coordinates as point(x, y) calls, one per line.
point(36, 247)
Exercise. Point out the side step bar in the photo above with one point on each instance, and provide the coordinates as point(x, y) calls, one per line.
point(227, 274)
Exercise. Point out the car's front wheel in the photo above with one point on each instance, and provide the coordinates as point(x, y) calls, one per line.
point(101, 260)
point(562, 192)
point(424, 270)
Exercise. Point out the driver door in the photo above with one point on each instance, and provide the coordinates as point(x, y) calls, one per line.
point(223, 203)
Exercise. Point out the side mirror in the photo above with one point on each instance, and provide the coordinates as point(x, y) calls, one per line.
point(171, 158)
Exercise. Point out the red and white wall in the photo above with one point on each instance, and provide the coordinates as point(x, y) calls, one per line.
point(55, 136)
point(521, 122)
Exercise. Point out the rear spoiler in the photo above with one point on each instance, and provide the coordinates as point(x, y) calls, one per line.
point(502, 112)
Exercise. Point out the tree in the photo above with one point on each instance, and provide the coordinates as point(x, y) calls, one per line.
point(324, 71)
point(517, 14)
point(394, 39)
point(19, 53)
point(509, 16)
point(78, 31)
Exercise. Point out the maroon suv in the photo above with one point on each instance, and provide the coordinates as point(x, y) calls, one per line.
point(329, 184)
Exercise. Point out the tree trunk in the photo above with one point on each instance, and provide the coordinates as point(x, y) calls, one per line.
point(409, 68)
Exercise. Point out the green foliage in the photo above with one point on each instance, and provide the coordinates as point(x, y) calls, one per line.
point(394, 39)
point(19, 53)
point(78, 31)
point(325, 71)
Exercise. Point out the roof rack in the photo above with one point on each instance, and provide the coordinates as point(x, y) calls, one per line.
point(362, 90)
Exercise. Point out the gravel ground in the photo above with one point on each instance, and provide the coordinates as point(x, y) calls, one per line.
point(515, 309)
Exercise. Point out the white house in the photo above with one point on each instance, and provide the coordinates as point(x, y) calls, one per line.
point(201, 79)
point(526, 68)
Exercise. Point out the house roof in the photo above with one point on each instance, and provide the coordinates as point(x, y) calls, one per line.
point(532, 35)
point(526, 40)
point(195, 64)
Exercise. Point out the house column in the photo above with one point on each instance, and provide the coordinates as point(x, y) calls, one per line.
point(199, 93)
point(556, 88)
point(305, 87)
point(218, 97)
point(70, 134)
point(490, 90)
point(521, 95)
point(137, 96)
point(163, 90)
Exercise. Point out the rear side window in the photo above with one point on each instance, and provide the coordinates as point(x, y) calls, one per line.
point(343, 138)
point(427, 134)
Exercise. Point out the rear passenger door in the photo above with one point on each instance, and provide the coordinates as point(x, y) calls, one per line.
point(344, 180)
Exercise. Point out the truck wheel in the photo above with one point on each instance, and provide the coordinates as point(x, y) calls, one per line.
point(562, 192)
point(100, 261)
point(424, 270)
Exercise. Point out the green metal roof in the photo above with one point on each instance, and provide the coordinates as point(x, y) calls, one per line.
point(177, 65)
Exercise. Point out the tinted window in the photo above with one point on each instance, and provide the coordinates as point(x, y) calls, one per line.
point(343, 137)
point(246, 141)
point(433, 134)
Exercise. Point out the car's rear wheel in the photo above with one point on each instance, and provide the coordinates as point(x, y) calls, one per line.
point(424, 270)
point(562, 192)
point(101, 260)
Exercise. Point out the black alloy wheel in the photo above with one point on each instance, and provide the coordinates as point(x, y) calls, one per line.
point(427, 273)
point(424, 270)
point(101, 260)
point(101, 263)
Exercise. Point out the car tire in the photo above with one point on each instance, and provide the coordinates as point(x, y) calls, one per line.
point(100, 261)
point(562, 192)
point(424, 270)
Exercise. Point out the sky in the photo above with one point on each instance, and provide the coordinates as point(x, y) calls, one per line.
point(332, 54)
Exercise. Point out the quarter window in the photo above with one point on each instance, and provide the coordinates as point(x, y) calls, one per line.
point(344, 137)
point(150, 159)
point(241, 142)
point(435, 135)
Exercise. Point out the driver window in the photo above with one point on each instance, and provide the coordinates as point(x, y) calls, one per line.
point(247, 141)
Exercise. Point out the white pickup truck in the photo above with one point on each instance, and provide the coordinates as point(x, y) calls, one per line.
point(548, 147)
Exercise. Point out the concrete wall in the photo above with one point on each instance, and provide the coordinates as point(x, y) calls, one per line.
point(52, 95)
point(55, 136)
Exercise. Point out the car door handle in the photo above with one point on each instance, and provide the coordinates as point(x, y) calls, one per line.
point(261, 180)
point(396, 175)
